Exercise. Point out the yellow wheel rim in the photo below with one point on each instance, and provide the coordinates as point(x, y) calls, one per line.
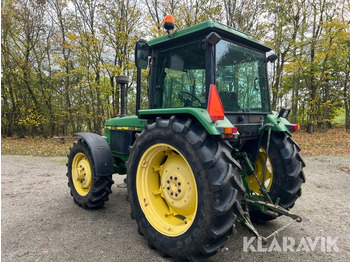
point(259, 171)
point(166, 189)
point(81, 174)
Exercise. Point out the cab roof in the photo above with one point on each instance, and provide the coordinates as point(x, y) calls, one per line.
point(205, 28)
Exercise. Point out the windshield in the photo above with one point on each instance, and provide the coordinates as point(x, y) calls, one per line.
point(241, 78)
point(180, 77)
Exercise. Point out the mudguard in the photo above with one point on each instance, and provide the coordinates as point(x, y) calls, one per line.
point(201, 114)
point(101, 153)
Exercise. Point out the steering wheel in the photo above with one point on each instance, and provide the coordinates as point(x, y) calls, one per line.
point(188, 99)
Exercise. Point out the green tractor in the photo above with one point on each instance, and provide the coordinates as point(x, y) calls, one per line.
point(207, 153)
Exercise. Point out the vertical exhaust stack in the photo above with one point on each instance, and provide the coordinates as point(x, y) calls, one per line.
point(122, 80)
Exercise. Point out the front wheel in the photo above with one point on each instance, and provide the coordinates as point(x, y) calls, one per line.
point(183, 188)
point(88, 190)
point(284, 173)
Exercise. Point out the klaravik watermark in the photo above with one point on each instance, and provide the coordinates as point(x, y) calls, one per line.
point(323, 244)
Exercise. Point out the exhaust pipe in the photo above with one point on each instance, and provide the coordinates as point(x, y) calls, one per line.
point(122, 80)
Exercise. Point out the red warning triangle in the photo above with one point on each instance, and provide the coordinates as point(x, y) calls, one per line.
point(215, 109)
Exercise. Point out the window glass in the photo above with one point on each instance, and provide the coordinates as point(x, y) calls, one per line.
point(180, 77)
point(241, 78)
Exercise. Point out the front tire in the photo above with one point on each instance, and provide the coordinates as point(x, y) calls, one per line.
point(183, 186)
point(88, 190)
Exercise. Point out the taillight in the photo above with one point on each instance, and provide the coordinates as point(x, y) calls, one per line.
point(293, 127)
point(230, 131)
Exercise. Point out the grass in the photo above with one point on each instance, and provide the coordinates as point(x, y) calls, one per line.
point(332, 142)
point(34, 146)
point(339, 121)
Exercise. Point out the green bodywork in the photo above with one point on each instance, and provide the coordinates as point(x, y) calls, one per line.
point(137, 123)
point(189, 31)
point(124, 124)
point(198, 113)
point(128, 123)
point(279, 123)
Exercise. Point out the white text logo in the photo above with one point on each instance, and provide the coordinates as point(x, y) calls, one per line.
point(289, 244)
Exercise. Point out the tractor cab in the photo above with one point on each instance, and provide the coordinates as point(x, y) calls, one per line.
point(185, 63)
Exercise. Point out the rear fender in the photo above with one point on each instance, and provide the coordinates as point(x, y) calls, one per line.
point(279, 123)
point(201, 114)
point(101, 153)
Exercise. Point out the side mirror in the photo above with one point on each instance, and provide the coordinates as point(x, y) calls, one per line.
point(141, 54)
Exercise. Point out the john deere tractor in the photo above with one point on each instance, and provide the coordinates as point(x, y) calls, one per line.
point(207, 152)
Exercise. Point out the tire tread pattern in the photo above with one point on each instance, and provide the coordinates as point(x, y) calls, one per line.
point(225, 186)
point(291, 167)
point(100, 186)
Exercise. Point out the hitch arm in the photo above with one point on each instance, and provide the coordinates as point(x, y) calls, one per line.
point(268, 207)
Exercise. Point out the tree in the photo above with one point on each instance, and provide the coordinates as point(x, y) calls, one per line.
point(121, 25)
point(60, 57)
point(24, 31)
point(63, 59)
point(246, 16)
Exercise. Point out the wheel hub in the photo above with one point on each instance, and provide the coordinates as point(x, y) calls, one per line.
point(259, 166)
point(81, 174)
point(167, 190)
point(177, 185)
point(174, 186)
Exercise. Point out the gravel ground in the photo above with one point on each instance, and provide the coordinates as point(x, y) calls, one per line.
point(40, 222)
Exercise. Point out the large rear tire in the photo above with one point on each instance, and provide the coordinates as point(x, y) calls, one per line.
point(284, 174)
point(183, 188)
point(88, 190)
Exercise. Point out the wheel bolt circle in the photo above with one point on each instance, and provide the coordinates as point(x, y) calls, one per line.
point(173, 185)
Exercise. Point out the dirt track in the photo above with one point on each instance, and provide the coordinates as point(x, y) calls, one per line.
point(40, 222)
